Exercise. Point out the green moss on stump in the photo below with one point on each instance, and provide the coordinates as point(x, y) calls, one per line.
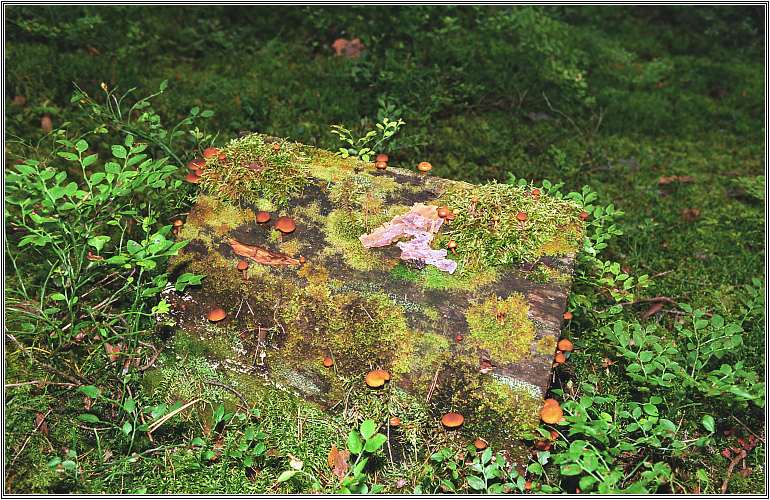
point(501, 327)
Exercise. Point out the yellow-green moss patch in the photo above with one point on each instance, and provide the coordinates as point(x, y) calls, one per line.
point(501, 327)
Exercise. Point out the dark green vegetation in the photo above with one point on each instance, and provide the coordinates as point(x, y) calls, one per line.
point(658, 109)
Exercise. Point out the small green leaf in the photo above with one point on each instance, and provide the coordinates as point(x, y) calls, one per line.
point(368, 428)
point(88, 417)
point(375, 443)
point(127, 428)
point(129, 405)
point(476, 483)
point(354, 443)
point(90, 391)
point(286, 475)
point(119, 151)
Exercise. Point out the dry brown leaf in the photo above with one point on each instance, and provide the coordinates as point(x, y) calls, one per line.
point(261, 255)
point(46, 124)
point(654, 309)
point(40, 424)
point(338, 462)
point(690, 214)
point(668, 179)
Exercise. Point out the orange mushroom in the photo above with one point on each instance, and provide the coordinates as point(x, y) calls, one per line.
point(328, 362)
point(424, 167)
point(551, 412)
point(242, 266)
point(583, 215)
point(197, 164)
point(535, 193)
point(217, 314)
point(178, 226)
point(480, 444)
point(564, 345)
point(560, 358)
point(452, 245)
point(521, 216)
point(210, 152)
point(443, 212)
point(285, 224)
point(192, 178)
point(377, 378)
point(394, 421)
point(567, 315)
point(276, 147)
point(380, 165)
point(459, 338)
point(263, 217)
point(452, 420)
point(382, 157)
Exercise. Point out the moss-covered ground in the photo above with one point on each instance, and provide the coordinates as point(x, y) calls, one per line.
point(619, 98)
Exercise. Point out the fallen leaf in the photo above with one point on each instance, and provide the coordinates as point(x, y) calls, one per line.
point(338, 462)
point(726, 453)
point(654, 309)
point(40, 424)
point(261, 255)
point(664, 180)
point(690, 214)
point(348, 48)
point(87, 403)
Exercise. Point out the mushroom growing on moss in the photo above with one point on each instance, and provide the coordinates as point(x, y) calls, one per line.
point(452, 245)
point(535, 193)
point(263, 217)
point(480, 444)
point(217, 314)
point(382, 157)
point(521, 216)
point(242, 266)
point(551, 412)
point(443, 212)
point(564, 345)
point(424, 167)
point(381, 165)
point(583, 215)
point(178, 223)
point(394, 421)
point(197, 164)
point(192, 178)
point(210, 152)
point(328, 362)
point(377, 378)
point(560, 358)
point(567, 315)
point(285, 225)
point(452, 420)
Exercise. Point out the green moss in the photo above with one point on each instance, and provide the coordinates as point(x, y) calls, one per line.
point(253, 170)
point(488, 232)
point(501, 327)
point(515, 402)
point(546, 345)
point(342, 236)
point(433, 278)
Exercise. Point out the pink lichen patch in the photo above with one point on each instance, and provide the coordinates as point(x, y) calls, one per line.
point(420, 224)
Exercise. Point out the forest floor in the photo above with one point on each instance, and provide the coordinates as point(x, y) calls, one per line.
point(658, 109)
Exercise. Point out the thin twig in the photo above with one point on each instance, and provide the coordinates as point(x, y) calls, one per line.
point(26, 441)
point(41, 382)
point(748, 429)
point(730, 468)
point(227, 387)
point(156, 425)
point(432, 386)
point(152, 359)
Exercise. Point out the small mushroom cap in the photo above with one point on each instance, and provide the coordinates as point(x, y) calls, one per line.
point(459, 338)
point(210, 152)
point(197, 164)
point(567, 315)
point(217, 314)
point(560, 358)
point(394, 421)
point(451, 244)
point(382, 157)
point(377, 378)
point(452, 420)
point(263, 217)
point(521, 216)
point(564, 345)
point(551, 413)
point(192, 178)
point(222, 157)
point(276, 146)
point(535, 192)
point(480, 444)
point(550, 402)
point(443, 212)
point(381, 165)
point(424, 166)
point(242, 265)
point(328, 362)
point(285, 224)
point(583, 215)
point(451, 216)
point(178, 223)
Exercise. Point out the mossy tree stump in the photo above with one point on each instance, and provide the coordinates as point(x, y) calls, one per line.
point(315, 311)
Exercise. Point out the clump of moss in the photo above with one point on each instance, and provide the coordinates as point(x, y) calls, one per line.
point(254, 170)
point(489, 233)
point(516, 401)
point(546, 345)
point(433, 278)
point(501, 327)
